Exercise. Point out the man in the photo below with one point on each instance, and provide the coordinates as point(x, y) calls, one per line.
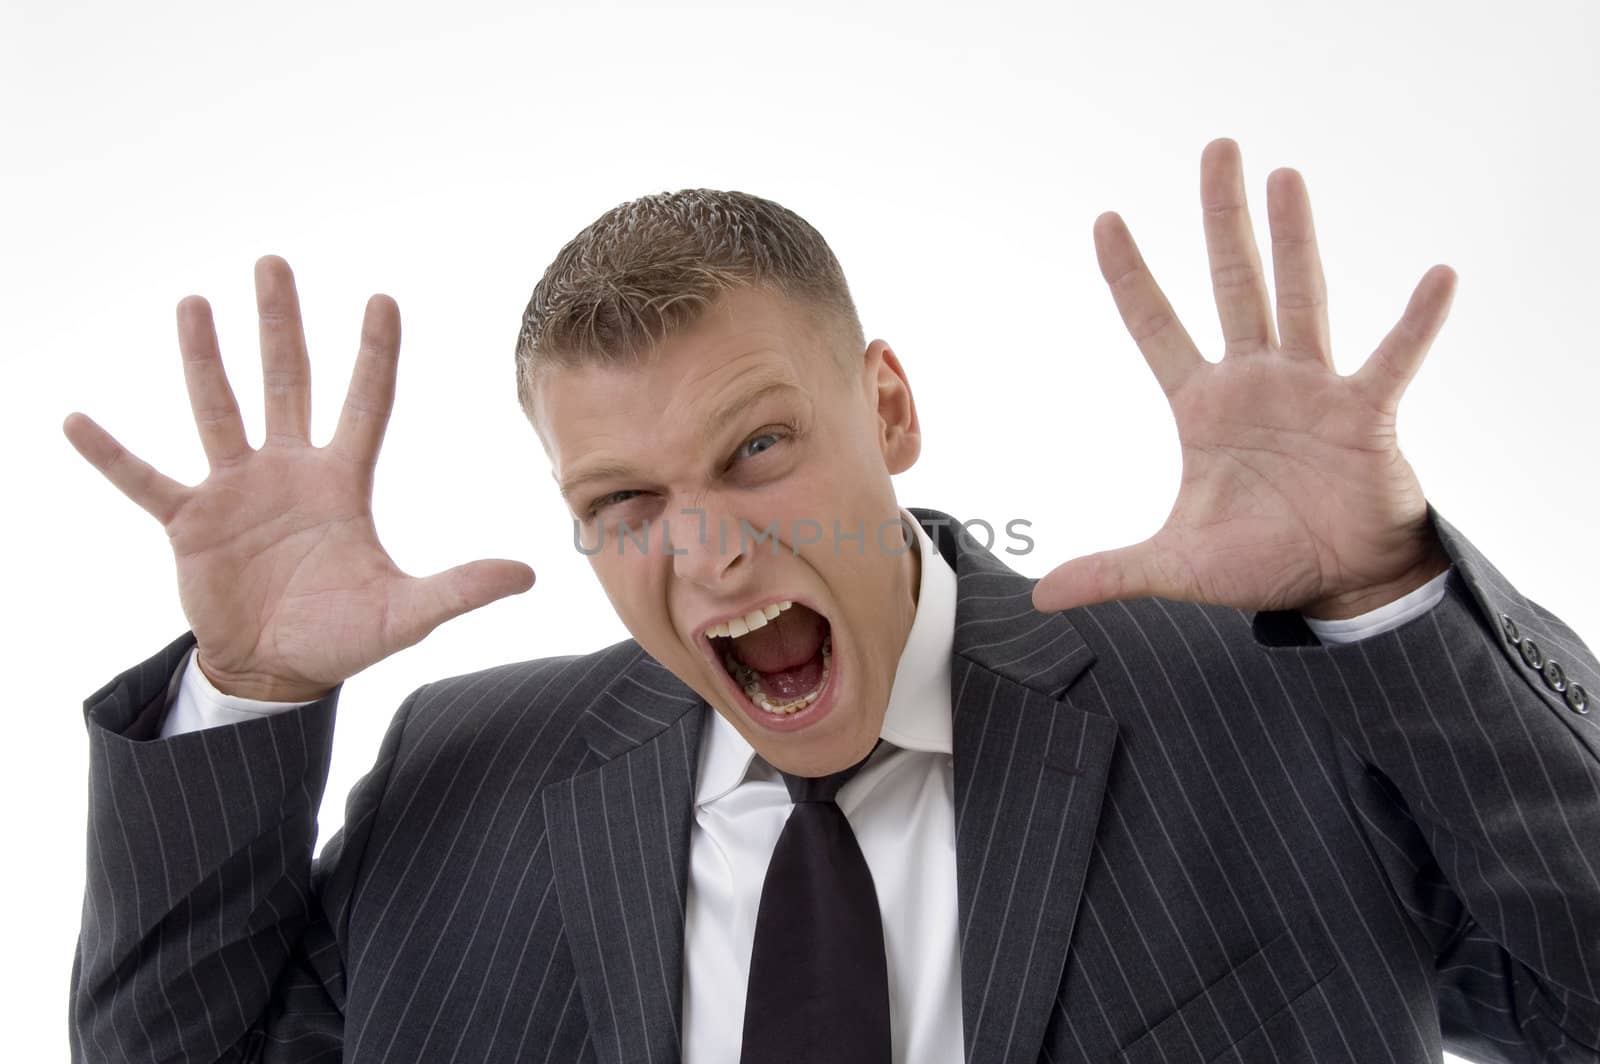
point(1299, 778)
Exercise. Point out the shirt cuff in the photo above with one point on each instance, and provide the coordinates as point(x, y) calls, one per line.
point(1407, 607)
point(198, 704)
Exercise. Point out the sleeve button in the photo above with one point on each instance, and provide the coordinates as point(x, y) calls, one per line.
point(1531, 654)
point(1513, 636)
point(1577, 698)
point(1555, 677)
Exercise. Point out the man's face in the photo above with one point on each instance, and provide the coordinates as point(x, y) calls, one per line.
point(764, 467)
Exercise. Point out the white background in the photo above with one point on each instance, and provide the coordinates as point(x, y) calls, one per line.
point(955, 157)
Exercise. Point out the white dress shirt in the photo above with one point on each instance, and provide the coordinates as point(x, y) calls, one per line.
point(901, 805)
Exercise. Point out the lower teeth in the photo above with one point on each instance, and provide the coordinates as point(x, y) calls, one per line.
point(749, 679)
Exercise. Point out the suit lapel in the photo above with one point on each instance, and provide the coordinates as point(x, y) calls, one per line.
point(619, 837)
point(1030, 771)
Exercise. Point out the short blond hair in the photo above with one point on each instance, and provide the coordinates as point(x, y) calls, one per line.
point(651, 266)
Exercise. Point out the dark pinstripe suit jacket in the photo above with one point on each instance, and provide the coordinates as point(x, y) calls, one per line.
point(1183, 833)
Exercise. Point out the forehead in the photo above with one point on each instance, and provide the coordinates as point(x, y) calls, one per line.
point(749, 341)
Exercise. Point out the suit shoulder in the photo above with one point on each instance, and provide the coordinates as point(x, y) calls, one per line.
point(1164, 625)
point(542, 696)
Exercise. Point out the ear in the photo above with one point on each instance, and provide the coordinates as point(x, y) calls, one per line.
point(899, 435)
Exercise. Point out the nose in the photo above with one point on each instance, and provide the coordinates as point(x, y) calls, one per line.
point(706, 548)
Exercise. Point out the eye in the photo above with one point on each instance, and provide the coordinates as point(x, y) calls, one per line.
point(612, 499)
point(764, 440)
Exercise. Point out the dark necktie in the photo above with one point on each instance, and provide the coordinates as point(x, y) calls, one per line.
point(819, 984)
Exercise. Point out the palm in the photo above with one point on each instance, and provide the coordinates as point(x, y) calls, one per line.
point(293, 542)
point(1282, 462)
point(280, 571)
point(1294, 493)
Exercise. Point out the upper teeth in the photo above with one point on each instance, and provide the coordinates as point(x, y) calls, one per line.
point(748, 623)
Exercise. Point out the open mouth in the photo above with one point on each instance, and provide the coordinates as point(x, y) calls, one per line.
point(780, 656)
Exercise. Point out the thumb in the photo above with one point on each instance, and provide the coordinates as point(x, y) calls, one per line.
point(431, 600)
point(1127, 572)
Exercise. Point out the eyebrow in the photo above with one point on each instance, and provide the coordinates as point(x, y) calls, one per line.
point(726, 411)
point(719, 416)
point(571, 485)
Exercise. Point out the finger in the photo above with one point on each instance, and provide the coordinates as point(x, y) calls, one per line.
point(285, 368)
point(159, 495)
point(1145, 311)
point(1236, 276)
point(1390, 368)
point(1297, 269)
point(370, 397)
point(432, 600)
point(1124, 573)
point(216, 411)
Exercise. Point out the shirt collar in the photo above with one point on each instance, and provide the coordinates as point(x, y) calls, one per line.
point(918, 717)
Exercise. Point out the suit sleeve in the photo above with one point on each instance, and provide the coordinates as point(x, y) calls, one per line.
point(208, 932)
point(1477, 721)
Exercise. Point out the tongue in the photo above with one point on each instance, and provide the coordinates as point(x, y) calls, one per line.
point(791, 638)
point(787, 652)
point(791, 684)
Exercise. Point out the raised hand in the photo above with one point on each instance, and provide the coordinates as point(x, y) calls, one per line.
point(1294, 492)
point(280, 571)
